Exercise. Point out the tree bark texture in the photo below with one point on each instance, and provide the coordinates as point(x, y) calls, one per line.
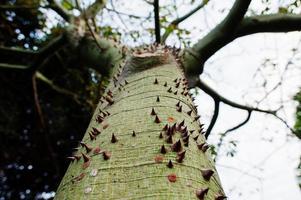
point(144, 140)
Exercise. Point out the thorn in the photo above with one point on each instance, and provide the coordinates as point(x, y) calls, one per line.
point(177, 146)
point(189, 112)
point(184, 135)
point(204, 146)
point(77, 157)
point(109, 100)
point(156, 81)
point(113, 139)
point(153, 112)
point(106, 155)
point(169, 139)
point(165, 84)
point(169, 164)
point(99, 119)
point(178, 104)
point(196, 137)
point(191, 131)
point(134, 134)
point(71, 158)
point(88, 149)
point(95, 131)
point(177, 85)
point(125, 82)
point(182, 123)
point(163, 149)
point(173, 128)
point(175, 80)
point(197, 118)
point(158, 99)
point(85, 157)
point(179, 109)
point(157, 120)
point(165, 128)
point(185, 93)
point(175, 93)
point(181, 156)
point(186, 139)
point(169, 90)
point(200, 193)
point(160, 135)
point(220, 197)
point(207, 173)
point(92, 137)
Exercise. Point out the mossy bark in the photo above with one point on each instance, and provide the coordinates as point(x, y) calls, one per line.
point(131, 164)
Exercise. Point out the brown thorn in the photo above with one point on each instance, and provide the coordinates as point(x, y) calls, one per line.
point(158, 99)
point(169, 90)
point(157, 120)
point(163, 149)
point(134, 134)
point(182, 123)
point(189, 112)
point(106, 155)
point(92, 137)
point(153, 112)
point(177, 146)
point(85, 157)
point(113, 139)
point(207, 173)
point(200, 193)
point(169, 164)
point(165, 84)
point(88, 149)
point(169, 139)
point(156, 81)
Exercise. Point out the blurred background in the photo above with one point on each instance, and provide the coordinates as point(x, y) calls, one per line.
point(43, 117)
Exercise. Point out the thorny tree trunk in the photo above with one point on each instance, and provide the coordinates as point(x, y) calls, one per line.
point(144, 139)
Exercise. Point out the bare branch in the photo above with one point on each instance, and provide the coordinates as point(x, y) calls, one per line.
point(59, 9)
point(13, 66)
point(195, 57)
point(203, 86)
point(177, 21)
point(94, 8)
point(269, 23)
point(157, 21)
point(16, 58)
point(240, 124)
point(218, 98)
point(214, 117)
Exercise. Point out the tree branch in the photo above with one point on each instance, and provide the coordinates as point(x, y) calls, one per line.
point(196, 56)
point(157, 21)
point(15, 58)
point(94, 8)
point(59, 9)
point(214, 117)
point(177, 21)
point(240, 124)
point(208, 90)
point(218, 98)
point(269, 23)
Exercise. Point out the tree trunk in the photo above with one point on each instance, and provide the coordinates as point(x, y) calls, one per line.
point(144, 140)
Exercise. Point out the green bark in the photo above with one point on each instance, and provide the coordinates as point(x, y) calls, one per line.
point(137, 167)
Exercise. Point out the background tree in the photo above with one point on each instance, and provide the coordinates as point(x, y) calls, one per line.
point(56, 58)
